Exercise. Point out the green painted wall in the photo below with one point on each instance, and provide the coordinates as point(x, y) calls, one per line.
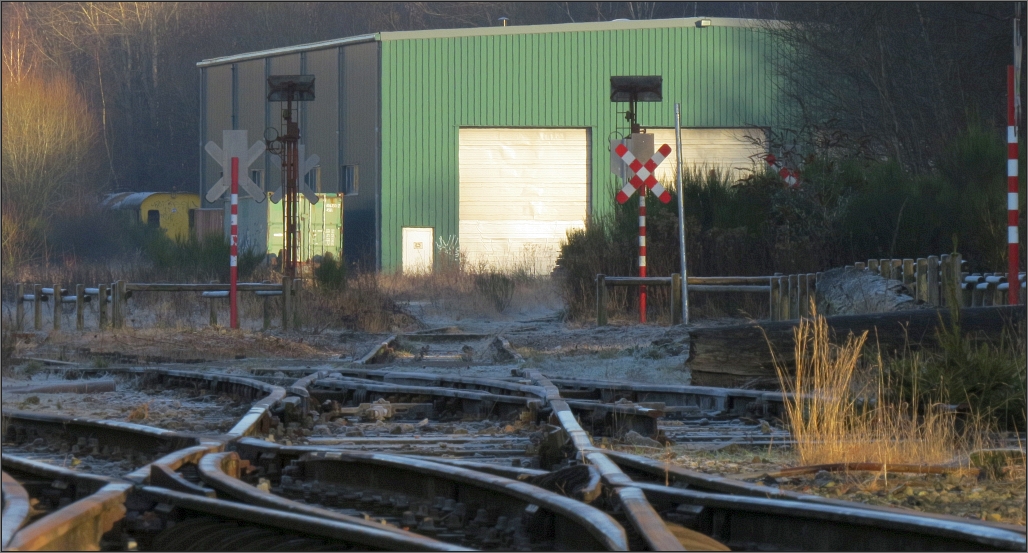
point(431, 87)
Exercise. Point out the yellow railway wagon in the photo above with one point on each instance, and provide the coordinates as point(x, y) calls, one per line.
point(172, 211)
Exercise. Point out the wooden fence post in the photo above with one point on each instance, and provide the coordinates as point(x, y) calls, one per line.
point(213, 312)
point(287, 301)
point(267, 310)
point(19, 307)
point(962, 298)
point(676, 298)
point(946, 278)
point(80, 300)
point(783, 300)
point(297, 300)
point(859, 266)
point(908, 273)
point(794, 296)
point(102, 296)
point(601, 300)
point(123, 289)
point(37, 306)
point(56, 297)
point(115, 305)
point(872, 265)
point(921, 280)
point(933, 281)
point(775, 294)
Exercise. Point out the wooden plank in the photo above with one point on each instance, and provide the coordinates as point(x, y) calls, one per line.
point(872, 265)
point(859, 266)
point(921, 280)
point(908, 273)
point(885, 267)
point(676, 298)
point(732, 355)
point(783, 298)
point(37, 306)
point(728, 288)
point(637, 281)
point(102, 306)
point(19, 307)
point(794, 296)
point(775, 293)
point(80, 300)
point(287, 301)
point(932, 279)
point(209, 287)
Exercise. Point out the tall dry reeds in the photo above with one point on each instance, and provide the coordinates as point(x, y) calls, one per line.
point(838, 417)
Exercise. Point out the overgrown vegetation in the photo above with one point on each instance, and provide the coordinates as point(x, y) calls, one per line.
point(847, 209)
point(837, 418)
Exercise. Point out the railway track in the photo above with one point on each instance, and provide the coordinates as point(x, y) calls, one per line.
point(366, 458)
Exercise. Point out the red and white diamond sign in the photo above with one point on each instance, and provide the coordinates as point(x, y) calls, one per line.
point(790, 176)
point(643, 174)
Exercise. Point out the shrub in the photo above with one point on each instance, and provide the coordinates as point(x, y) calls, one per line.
point(330, 273)
point(498, 288)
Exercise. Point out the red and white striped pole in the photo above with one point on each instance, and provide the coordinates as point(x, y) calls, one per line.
point(1012, 218)
point(642, 252)
point(233, 252)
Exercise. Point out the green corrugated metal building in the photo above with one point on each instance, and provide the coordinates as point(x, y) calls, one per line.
point(460, 135)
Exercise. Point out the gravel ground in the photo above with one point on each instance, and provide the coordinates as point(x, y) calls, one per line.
point(623, 351)
point(177, 409)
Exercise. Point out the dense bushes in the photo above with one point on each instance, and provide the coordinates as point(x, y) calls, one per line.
point(846, 210)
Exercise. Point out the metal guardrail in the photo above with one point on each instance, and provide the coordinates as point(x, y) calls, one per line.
point(118, 293)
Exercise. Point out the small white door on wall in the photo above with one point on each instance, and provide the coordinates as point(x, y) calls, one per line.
point(417, 249)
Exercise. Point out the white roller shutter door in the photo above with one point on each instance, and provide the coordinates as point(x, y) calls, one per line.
point(520, 192)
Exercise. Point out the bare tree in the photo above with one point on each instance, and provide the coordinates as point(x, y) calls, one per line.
point(48, 133)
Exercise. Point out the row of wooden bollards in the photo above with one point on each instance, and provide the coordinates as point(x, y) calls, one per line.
point(117, 294)
point(113, 294)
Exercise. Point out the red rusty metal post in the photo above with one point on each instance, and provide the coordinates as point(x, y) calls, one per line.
point(1013, 254)
point(642, 252)
point(233, 255)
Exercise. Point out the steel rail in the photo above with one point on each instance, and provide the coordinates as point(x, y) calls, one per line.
point(646, 521)
point(408, 474)
point(221, 472)
point(754, 522)
point(893, 528)
point(236, 524)
point(15, 508)
point(430, 379)
point(77, 526)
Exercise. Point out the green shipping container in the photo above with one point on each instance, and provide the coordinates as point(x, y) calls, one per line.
point(320, 224)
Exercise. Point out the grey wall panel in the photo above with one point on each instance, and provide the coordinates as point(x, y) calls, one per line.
point(219, 118)
point(252, 100)
point(359, 133)
point(279, 65)
point(322, 130)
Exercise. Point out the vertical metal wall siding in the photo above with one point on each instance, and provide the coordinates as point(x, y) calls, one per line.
point(431, 87)
point(202, 136)
point(252, 100)
point(359, 116)
point(219, 118)
point(322, 116)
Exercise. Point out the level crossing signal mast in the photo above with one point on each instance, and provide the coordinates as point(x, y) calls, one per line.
point(633, 89)
point(289, 89)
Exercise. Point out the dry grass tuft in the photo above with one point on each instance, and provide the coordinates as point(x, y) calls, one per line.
point(140, 413)
point(834, 420)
